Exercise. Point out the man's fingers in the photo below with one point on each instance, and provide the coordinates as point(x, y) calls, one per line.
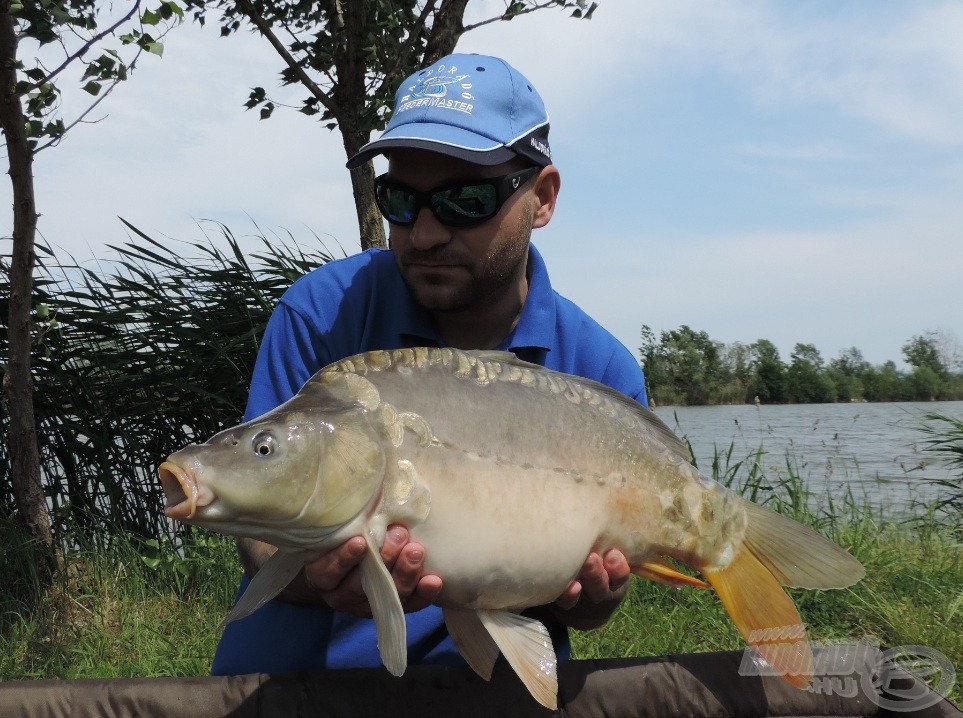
point(570, 596)
point(395, 540)
point(407, 570)
point(594, 579)
point(617, 568)
point(329, 570)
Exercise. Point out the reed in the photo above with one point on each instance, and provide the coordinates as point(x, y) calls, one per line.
point(137, 357)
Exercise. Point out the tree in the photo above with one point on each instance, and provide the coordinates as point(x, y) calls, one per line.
point(848, 373)
point(684, 367)
point(806, 382)
point(768, 373)
point(351, 56)
point(31, 121)
point(923, 350)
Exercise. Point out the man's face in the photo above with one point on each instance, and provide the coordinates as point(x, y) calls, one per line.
point(453, 269)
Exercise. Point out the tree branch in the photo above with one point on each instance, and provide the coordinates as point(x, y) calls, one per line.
point(87, 45)
point(502, 17)
point(445, 31)
point(56, 140)
point(404, 53)
point(248, 9)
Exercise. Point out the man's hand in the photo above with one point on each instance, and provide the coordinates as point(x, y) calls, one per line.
point(591, 599)
point(334, 578)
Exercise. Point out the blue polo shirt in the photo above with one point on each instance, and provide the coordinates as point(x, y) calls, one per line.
point(361, 304)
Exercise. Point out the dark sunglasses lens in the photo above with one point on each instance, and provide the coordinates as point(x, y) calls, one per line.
point(396, 205)
point(465, 205)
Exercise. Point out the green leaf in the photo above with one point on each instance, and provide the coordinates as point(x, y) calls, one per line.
point(267, 110)
point(92, 87)
point(156, 48)
point(150, 17)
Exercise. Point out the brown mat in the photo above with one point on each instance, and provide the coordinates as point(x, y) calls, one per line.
point(705, 684)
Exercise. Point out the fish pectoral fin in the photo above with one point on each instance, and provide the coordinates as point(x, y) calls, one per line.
point(274, 575)
point(765, 616)
point(528, 648)
point(472, 639)
point(663, 572)
point(389, 616)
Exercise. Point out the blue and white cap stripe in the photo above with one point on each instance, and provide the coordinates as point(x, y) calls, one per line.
point(473, 107)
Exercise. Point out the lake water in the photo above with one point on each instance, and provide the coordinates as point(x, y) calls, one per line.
point(875, 449)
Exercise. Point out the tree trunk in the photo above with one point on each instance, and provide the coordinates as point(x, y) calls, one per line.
point(17, 382)
point(369, 217)
point(445, 30)
point(362, 184)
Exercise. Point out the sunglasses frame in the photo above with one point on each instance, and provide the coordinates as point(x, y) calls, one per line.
point(505, 186)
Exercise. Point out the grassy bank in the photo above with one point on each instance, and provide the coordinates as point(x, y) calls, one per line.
point(140, 610)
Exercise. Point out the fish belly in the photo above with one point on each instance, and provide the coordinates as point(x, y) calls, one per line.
point(507, 537)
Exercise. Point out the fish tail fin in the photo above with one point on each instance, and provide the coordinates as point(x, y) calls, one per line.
point(765, 616)
point(776, 552)
point(795, 554)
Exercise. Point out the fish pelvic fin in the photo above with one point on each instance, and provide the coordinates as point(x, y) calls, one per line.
point(389, 616)
point(663, 572)
point(472, 640)
point(765, 616)
point(529, 651)
point(795, 554)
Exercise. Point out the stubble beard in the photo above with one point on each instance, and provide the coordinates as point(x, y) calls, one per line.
point(488, 279)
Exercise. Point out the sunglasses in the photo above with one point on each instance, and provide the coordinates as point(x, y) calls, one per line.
point(461, 204)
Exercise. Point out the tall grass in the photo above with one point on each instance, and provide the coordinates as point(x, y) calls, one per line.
point(136, 357)
point(123, 610)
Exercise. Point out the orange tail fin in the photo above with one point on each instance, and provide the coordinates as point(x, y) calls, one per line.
point(765, 616)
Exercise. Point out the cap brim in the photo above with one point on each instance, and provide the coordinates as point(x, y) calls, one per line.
point(446, 140)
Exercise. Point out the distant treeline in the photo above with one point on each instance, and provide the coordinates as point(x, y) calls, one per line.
point(688, 367)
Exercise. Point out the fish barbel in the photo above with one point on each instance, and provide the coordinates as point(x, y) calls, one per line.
point(508, 474)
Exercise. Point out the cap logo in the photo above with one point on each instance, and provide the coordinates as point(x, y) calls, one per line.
point(442, 88)
point(540, 147)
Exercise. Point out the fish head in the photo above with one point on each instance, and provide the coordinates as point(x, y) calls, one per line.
point(289, 477)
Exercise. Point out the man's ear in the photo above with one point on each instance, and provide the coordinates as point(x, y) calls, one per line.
point(547, 184)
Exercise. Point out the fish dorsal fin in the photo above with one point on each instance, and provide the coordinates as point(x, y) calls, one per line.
point(528, 649)
point(389, 616)
point(472, 640)
point(273, 576)
point(646, 416)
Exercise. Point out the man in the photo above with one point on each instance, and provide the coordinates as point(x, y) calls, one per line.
point(469, 177)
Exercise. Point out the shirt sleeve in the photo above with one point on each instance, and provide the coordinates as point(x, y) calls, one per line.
point(291, 352)
point(624, 374)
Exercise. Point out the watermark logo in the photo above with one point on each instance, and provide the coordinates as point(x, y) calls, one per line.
point(900, 679)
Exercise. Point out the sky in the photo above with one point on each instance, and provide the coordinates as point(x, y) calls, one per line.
point(754, 169)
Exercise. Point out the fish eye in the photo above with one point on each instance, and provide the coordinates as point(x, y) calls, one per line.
point(263, 443)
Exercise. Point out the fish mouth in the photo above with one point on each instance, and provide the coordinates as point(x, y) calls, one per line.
point(184, 495)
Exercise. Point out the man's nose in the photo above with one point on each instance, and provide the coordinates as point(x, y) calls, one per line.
point(427, 231)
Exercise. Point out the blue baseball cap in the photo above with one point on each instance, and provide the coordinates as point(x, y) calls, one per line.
point(473, 107)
